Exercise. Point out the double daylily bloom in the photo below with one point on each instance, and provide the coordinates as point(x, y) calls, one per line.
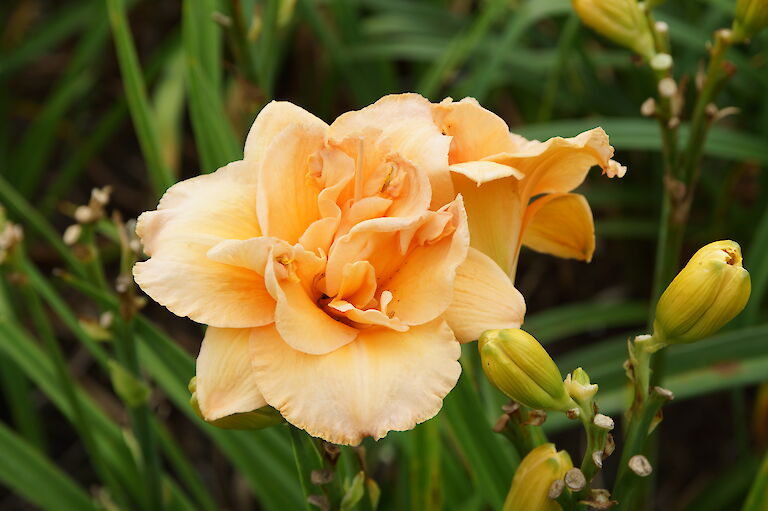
point(339, 266)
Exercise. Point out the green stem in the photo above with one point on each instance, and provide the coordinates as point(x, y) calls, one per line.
point(685, 169)
point(641, 348)
point(125, 349)
point(595, 443)
point(701, 120)
point(524, 437)
point(634, 441)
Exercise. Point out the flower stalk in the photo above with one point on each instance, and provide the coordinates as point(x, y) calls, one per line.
point(125, 349)
point(638, 430)
point(682, 170)
point(521, 426)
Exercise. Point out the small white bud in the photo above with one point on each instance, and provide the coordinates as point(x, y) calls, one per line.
point(667, 87)
point(101, 195)
point(72, 234)
point(640, 465)
point(556, 489)
point(84, 215)
point(661, 61)
point(603, 421)
point(575, 480)
point(106, 319)
point(648, 108)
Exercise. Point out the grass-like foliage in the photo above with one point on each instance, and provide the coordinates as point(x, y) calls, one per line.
point(136, 95)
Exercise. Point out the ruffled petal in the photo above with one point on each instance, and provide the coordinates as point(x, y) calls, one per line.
point(560, 164)
point(476, 132)
point(383, 381)
point(207, 209)
point(422, 286)
point(406, 120)
point(274, 118)
point(226, 380)
point(301, 323)
point(382, 242)
point(193, 216)
point(483, 299)
point(287, 193)
point(485, 171)
point(252, 253)
point(561, 225)
point(368, 317)
point(358, 283)
point(189, 284)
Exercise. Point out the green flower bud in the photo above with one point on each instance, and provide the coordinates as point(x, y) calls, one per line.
point(579, 387)
point(533, 477)
point(520, 367)
point(621, 21)
point(709, 292)
point(751, 18)
point(257, 419)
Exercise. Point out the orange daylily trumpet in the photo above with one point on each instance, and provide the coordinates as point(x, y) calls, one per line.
point(333, 267)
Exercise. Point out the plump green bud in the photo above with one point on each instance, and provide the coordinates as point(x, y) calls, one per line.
point(257, 419)
point(709, 292)
point(520, 367)
point(533, 478)
point(621, 21)
point(751, 18)
point(579, 387)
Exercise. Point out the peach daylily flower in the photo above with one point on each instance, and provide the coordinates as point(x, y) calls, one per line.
point(524, 186)
point(332, 265)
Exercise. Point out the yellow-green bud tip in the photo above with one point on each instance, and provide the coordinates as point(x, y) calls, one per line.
point(520, 367)
point(579, 387)
point(708, 293)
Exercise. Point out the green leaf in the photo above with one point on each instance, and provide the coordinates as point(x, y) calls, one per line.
point(568, 320)
point(28, 473)
point(36, 364)
point(168, 104)
point(217, 145)
point(490, 458)
point(357, 83)
point(60, 25)
point(758, 494)
point(424, 449)
point(756, 261)
point(460, 48)
point(529, 13)
point(726, 360)
point(143, 116)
